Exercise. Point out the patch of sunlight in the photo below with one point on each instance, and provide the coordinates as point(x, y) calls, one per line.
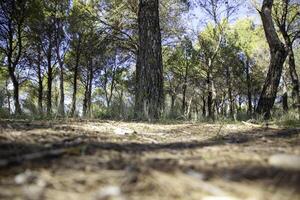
point(219, 198)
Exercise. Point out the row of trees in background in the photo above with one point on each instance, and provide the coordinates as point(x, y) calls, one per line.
point(126, 59)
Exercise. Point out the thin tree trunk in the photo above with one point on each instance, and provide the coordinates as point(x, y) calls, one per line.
point(209, 96)
point(12, 64)
point(203, 107)
point(278, 56)
point(75, 77)
point(149, 98)
point(295, 80)
point(89, 103)
point(229, 89)
point(61, 107)
point(8, 96)
point(15, 91)
point(172, 111)
point(85, 100)
point(282, 24)
point(249, 93)
point(285, 99)
point(184, 87)
point(50, 78)
point(40, 84)
point(188, 111)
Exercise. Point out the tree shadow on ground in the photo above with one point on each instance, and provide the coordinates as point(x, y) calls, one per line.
point(9, 149)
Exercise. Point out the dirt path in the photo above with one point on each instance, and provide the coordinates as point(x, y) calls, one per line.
point(119, 160)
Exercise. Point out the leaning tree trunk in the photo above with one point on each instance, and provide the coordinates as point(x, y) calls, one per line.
point(291, 59)
point(295, 79)
point(149, 98)
point(278, 56)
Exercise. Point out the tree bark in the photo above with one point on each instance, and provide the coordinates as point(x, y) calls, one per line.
point(89, 102)
point(16, 93)
point(88, 91)
point(295, 79)
point(8, 96)
point(229, 89)
point(61, 107)
point(172, 109)
point(278, 56)
point(284, 24)
point(49, 77)
point(285, 105)
point(75, 77)
point(12, 60)
point(184, 87)
point(40, 84)
point(203, 107)
point(149, 98)
point(209, 96)
point(249, 93)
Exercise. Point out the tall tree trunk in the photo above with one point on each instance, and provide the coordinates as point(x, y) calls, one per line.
point(188, 110)
point(88, 91)
point(40, 84)
point(16, 96)
point(249, 93)
point(8, 96)
point(15, 83)
point(283, 27)
point(183, 104)
point(85, 100)
point(223, 104)
point(209, 96)
point(203, 107)
point(50, 78)
point(295, 79)
point(75, 77)
point(229, 89)
point(12, 64)
point(172, 109)
point(184, 87)
point(61, 107)
point(285, 105)
point(89, 102)
point(49, 90)
point(149, 98)
point(278, 56)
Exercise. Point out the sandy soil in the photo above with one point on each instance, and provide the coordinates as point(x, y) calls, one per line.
point(101, 160)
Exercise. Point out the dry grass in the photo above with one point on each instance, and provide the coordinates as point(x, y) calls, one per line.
point(150, 161)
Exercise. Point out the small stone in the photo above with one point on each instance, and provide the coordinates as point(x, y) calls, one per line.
point(26, 177)
point(124, 131)
point(33, 192)
point(197, 175)
point(109, 193)
point(285, 161)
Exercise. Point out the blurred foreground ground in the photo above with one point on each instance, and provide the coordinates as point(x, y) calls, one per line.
point(93, 160)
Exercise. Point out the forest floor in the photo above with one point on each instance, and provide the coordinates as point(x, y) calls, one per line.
point(99, 160)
